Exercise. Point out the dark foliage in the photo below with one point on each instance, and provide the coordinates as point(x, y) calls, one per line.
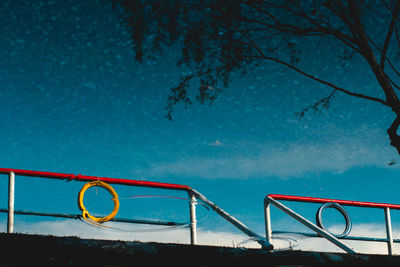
point(219, 38)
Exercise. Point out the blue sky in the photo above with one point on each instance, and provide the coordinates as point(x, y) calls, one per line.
point(73, 100)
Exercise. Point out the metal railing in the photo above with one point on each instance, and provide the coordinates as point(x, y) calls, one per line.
point(319, 229)
point(194, 197)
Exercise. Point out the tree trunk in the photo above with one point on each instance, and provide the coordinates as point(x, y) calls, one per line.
point(392, 132)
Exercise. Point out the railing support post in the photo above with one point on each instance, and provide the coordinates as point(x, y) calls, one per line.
point(193, 222)
point(11, 197)
point(389, 234)
point(268, 227)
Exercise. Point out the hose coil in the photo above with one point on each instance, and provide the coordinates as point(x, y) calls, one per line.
point(85, 214)
point(339, 208)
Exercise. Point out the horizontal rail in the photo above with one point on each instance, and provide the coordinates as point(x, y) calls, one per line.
point(86, 178)
point(320, 230)
point(193, 194)
point(341, 202)
point(79, 216)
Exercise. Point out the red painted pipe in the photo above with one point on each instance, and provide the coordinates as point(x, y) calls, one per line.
point(80, 177)
point(341, 202)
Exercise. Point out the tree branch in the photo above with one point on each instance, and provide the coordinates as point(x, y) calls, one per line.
point(394, 84)
point(387, 59)
point(326, 83)
point(392, 132)
point(389, 34)
point(359, 33)
point(397, 34)
point(287, 28)
point(317, 30)
point(375, 99)
point(324, 102)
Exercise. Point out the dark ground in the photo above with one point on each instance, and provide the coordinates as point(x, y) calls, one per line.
point(36, 250)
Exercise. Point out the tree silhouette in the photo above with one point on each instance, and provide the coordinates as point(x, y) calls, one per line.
point(217, 38)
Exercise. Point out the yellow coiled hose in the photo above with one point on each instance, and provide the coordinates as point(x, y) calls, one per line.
point(86, 214)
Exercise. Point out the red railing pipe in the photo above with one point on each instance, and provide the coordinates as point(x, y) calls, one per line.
point(86, 178)
point(192, 193)
point(341, 202)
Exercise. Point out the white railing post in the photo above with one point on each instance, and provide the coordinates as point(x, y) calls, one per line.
point(11, 197)
point(268, 227)
point(389, 234)
point(193, 222)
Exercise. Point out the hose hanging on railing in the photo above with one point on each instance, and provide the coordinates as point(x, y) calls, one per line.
point(318, 218)
point(166, 226)
point(86, 214)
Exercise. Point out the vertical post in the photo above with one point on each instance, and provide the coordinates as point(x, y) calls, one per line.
point(267, 214)
point(11, 186)
point(193, 222)
point(389, 231)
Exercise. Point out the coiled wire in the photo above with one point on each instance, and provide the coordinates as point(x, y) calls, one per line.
point(339, 208)
point(85, 214)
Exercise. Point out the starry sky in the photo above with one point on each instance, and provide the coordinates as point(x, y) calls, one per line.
point(73, 100)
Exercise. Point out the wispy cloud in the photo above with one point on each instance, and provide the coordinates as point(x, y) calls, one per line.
point(216, 143)
point(143, 233)
point(335, 154)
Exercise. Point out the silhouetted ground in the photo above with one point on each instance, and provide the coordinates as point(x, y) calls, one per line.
point(36, 250)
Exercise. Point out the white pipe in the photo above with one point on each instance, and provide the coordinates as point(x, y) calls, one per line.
point(193, 221)
point(389, 231)
point(268, 227)
point(11, 197)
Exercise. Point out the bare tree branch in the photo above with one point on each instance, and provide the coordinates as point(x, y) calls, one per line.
point(350, 93)
point(366, 50)
point(392, 132)
point(263, 56)
point(317, 30)
point(397, 72)
point(394, 84)
point(389, 34)
point(324, 102)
